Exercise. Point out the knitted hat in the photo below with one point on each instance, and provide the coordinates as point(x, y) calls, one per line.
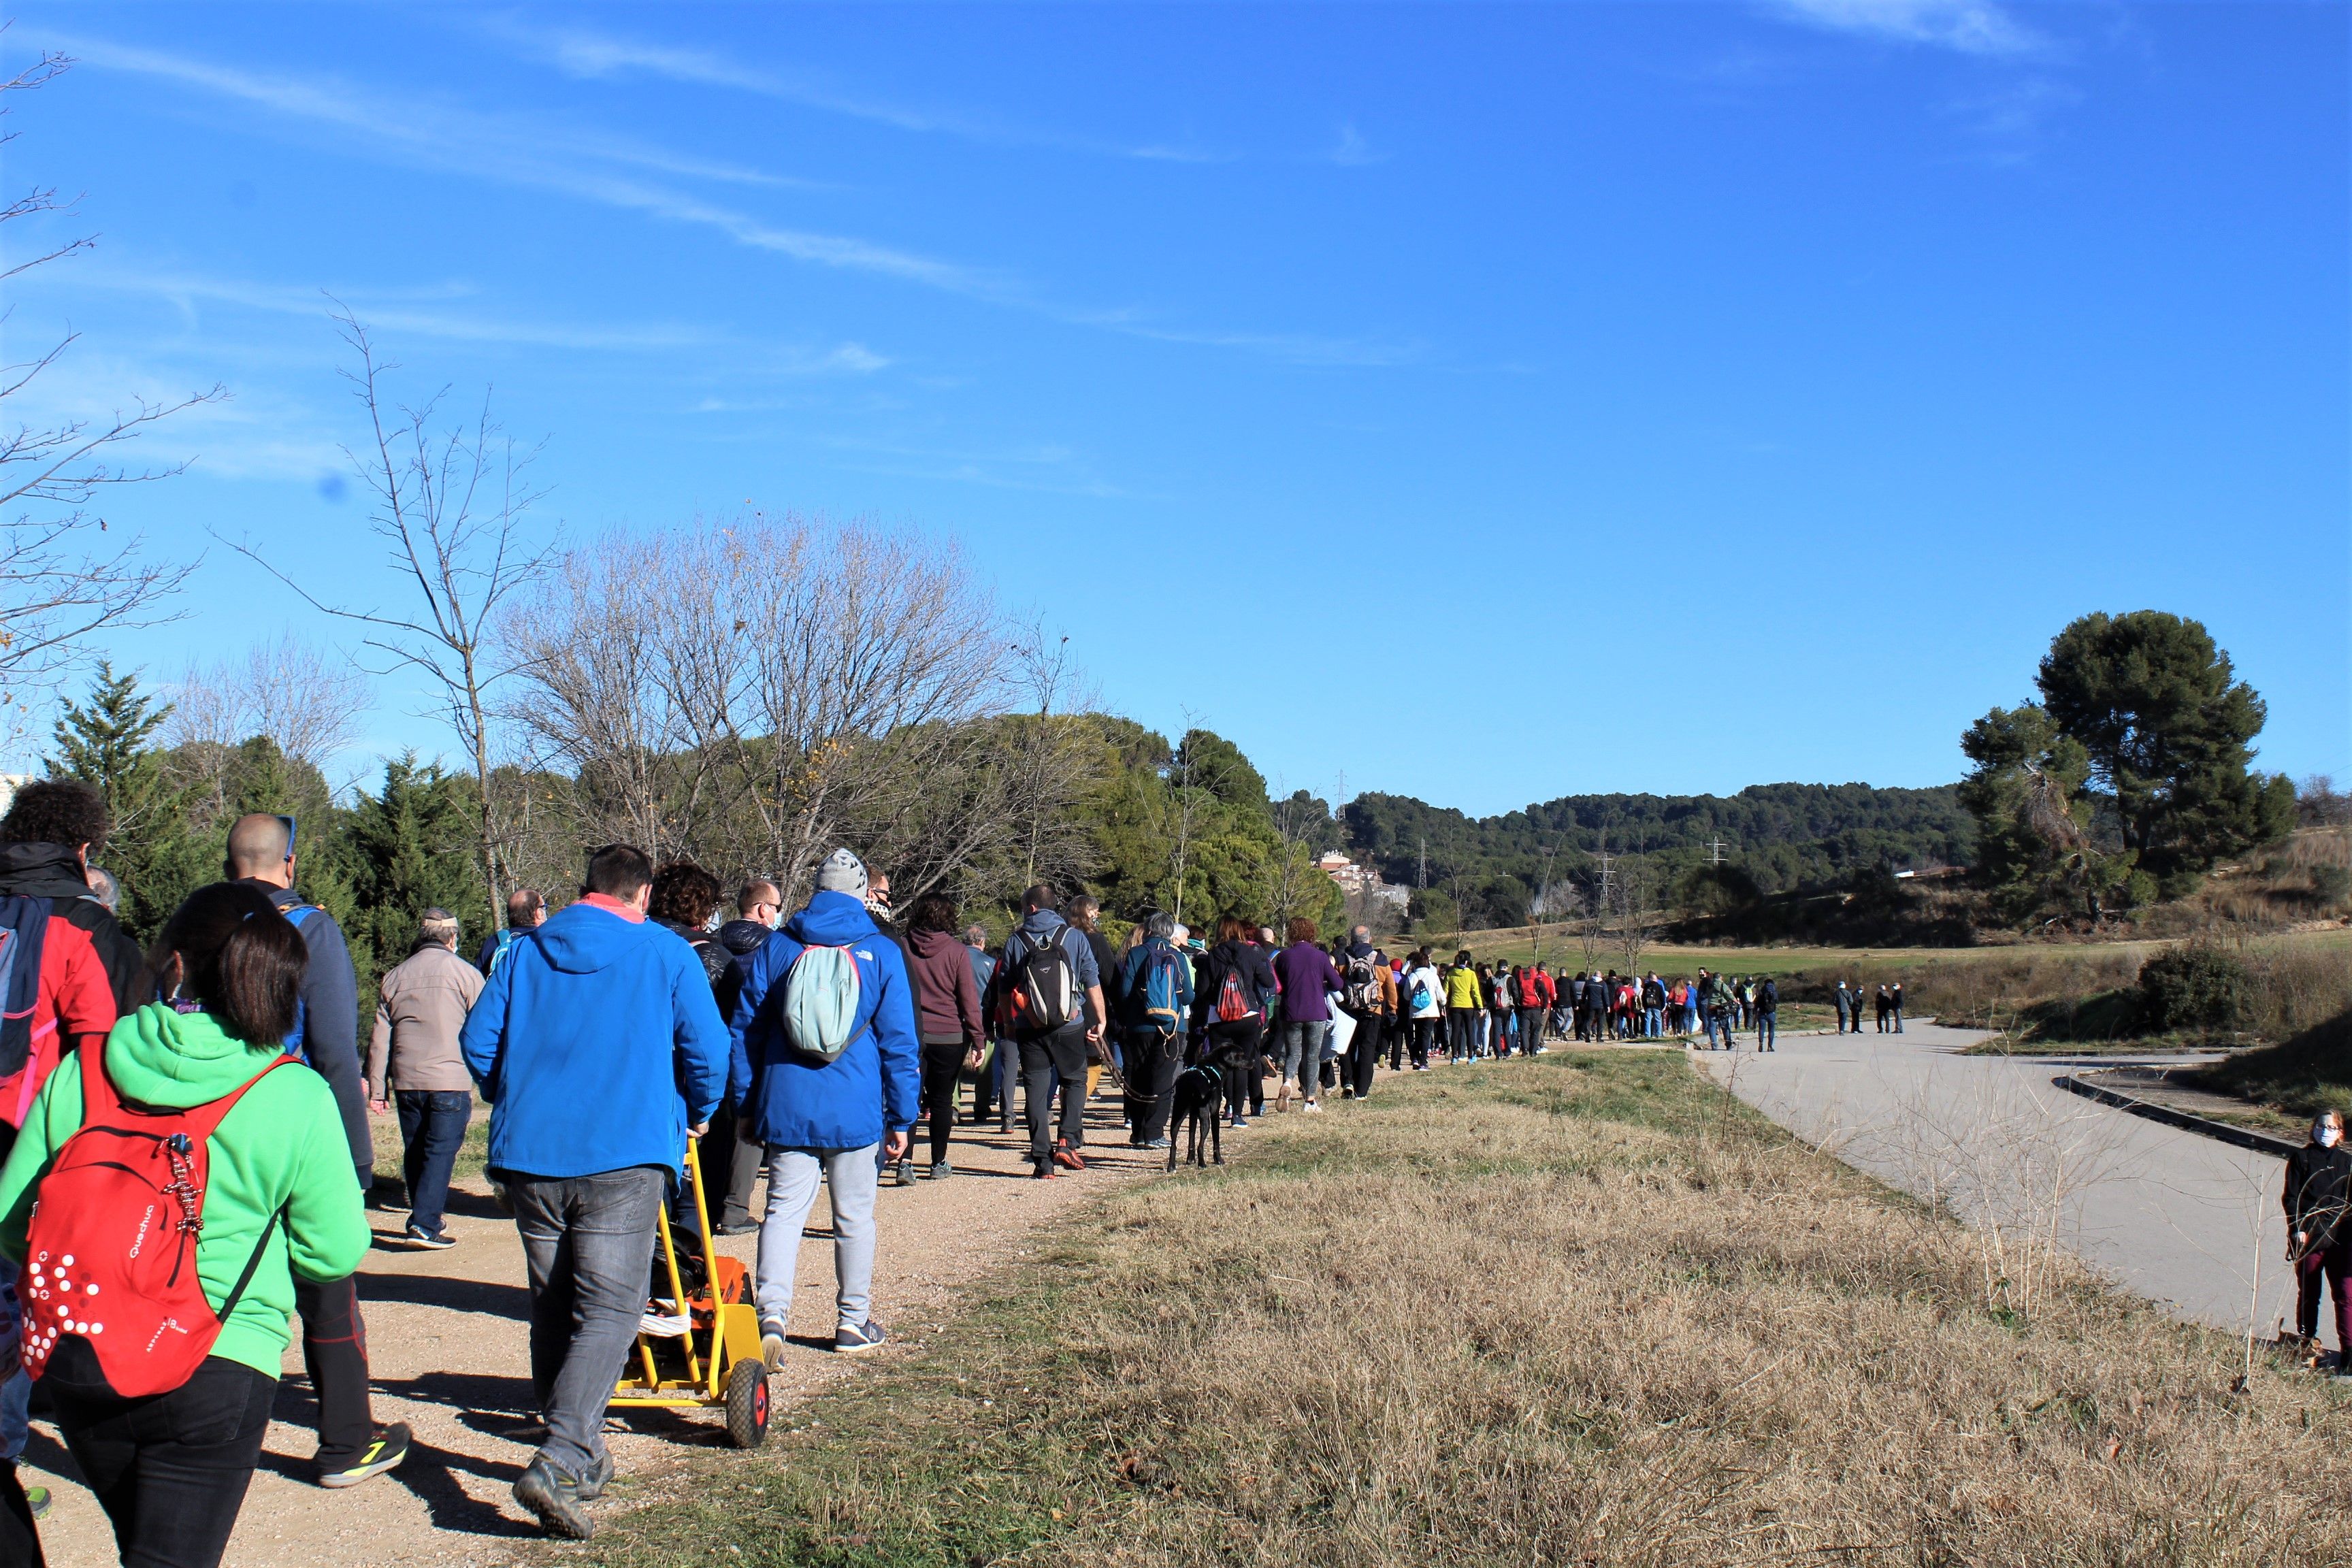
point(841, 873)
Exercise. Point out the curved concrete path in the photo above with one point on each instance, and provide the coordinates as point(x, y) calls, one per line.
point(2184, 1220)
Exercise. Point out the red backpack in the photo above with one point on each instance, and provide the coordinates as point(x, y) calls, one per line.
point(110, 1254)
point(1234, 1002)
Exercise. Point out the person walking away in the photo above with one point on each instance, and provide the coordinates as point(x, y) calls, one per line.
point(325, 1037)
point(1308, 979)
point(73, 974)
point(1228, 1012)
point(167, 1441)
point(599, 1048)
point(1895, 1005)
point(2316, 1197)
point(1420, 995)
point(414, 1065)
point(994, 1088)
point(1047, 992)
point(758, 905)
point(947, 1024)
point(1464, 1007)
point(526, 911)
point(1881, 1002)
point(1768, 1014)
point(825, 1033)
point(1369, 996)
point(1155, 988)
point(1844, 1005)
point(1715, 1002)
point(1085, 913)
point(684, 899)
point(1654, 1007)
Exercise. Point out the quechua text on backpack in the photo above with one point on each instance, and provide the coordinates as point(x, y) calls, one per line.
point(110, 1252)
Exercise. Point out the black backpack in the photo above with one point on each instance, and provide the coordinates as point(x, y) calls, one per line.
point(1044, 995)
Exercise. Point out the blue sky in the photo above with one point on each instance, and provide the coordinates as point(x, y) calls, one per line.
point(1479, 403)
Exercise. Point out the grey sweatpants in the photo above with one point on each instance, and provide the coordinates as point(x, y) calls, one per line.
point(792, 1190)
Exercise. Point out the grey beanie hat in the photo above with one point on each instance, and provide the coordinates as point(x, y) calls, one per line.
point(842, 872)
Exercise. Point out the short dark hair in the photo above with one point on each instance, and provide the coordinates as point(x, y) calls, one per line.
point(1040, 896)
point(239, 957)
point(933, 911)
point(684, 895)
point(55, 811)
point(617, 870)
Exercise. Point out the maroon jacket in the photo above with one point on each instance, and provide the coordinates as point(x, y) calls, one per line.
point(949, 1009)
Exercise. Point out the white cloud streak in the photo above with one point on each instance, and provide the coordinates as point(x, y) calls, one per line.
point(1970, 26)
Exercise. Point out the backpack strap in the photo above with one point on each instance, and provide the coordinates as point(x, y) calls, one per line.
point(100, 1096)
point(228, 1302)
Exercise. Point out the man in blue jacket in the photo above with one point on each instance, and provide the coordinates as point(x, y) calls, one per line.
point(598, 1047)
point(825, 1117)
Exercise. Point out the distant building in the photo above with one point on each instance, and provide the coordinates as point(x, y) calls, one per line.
point(1359, 880)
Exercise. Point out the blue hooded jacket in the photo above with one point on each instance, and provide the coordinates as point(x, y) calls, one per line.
point(597, 1044)
point(873, 1087)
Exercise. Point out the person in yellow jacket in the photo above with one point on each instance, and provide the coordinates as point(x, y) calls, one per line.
point(1464, 1003)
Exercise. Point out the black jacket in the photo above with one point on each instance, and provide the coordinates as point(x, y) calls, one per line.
point(331, 1021)
point(1249, 962)
point(2319, 1190)
point(53, 871)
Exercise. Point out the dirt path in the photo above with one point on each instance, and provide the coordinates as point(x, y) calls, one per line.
point(447, 1342)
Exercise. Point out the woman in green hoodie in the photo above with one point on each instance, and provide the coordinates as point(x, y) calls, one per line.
point(171, 1470)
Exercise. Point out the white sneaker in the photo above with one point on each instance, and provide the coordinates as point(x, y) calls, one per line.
point(1310, 1105)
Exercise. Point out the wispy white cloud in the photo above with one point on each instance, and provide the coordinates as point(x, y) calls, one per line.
point(610, 173)
point(1971, 27)
point(589, 55)
point(1353, 151)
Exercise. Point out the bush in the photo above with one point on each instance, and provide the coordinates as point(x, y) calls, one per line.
point(2194, 986)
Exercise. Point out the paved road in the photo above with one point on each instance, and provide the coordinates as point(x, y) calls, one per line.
point(2177, 1217)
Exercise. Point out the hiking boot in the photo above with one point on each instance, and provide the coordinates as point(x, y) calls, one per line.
point(854, 1339)
point(772, 1344)
point(592, 1486)
point(389, 1446)
point(1067, 1158)
point(554, 1497)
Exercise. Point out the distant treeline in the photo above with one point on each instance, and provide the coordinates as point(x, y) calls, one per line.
point(1774, 838)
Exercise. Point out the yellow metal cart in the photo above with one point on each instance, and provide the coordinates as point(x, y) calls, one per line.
point(716, 1361)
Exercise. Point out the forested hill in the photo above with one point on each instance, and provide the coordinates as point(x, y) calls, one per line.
point(1781, 834)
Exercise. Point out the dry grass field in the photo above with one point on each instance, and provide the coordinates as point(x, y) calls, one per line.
point(1583, 1310)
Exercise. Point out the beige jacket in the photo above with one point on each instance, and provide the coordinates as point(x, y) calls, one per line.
point(421, 1005)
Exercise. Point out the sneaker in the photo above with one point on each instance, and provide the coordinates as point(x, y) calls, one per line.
point(590, 1487)
point(1067, 1158)
point(772, 1344)
point(1045, 1171)
point(36, 1501)
point(1310, 1105)
point(904, 1175)
point(1241, 1122)
point(1156, 1143)
point(555, 1498)
point(432, 1238)
point(854, 1339)
point(388, 1448)
point(744, 1226)
point(942, 1170)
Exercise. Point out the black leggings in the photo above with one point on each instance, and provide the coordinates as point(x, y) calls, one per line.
point(942, 1072)
point(1363, 1054)
point(1234, 1048)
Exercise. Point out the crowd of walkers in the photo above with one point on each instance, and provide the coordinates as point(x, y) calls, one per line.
point(140, 1094)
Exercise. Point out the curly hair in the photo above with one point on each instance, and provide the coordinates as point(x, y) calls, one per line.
point(684, 895)
point(55, 811)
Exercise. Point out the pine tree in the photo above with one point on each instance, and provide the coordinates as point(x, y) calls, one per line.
point(106, 742)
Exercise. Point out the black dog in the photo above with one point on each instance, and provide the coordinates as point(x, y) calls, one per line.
point(1200, 1092)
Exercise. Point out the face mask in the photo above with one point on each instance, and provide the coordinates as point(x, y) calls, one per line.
point(2327, 1134)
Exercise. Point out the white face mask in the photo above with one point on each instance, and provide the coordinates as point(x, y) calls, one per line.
point(2327, 1134)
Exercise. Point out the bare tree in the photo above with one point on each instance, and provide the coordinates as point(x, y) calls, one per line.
point(1636, 922)
point(1050, 761)
point(452, 505)
point(304, 698)
point(65, 574)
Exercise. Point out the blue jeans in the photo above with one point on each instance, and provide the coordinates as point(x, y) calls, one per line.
point(431, 1130)
point(588, 1249)
point(1768, 1029)
point(1653, 1022)
point(1720, 1021)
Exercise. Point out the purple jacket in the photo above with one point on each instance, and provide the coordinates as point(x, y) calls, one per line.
point(1306, 974)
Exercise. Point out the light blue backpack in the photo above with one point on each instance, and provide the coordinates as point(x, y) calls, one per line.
point(820, 1010)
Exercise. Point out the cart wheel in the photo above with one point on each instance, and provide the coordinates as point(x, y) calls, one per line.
point(746, 1404)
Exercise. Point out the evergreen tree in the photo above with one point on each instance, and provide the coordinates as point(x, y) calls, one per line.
point(105, 741)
